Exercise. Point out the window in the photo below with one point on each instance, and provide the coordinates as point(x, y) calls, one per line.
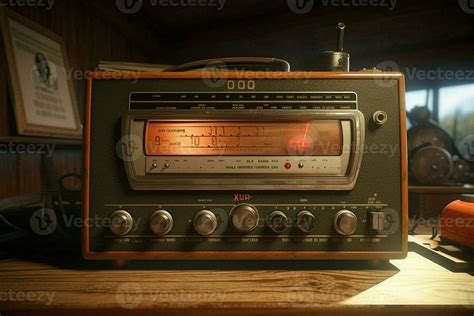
point(419, 98)
point(456, 110)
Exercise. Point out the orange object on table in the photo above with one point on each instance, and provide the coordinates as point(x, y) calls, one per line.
point(457, 221)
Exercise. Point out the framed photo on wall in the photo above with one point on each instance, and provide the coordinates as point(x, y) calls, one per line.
point(43, 96)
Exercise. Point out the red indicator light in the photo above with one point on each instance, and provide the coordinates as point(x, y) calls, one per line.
point(287, 165)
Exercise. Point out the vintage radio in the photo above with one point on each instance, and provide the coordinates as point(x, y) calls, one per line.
point(245, 165)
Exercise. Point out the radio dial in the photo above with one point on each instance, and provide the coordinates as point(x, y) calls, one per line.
point(205, 222)
point(306, 221)
point(277, 221)
point(345, 222)
point(244, 218)
point(161, 222)
point(121, 222)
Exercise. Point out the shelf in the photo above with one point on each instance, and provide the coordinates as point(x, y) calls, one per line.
point(459, 189)
point(41, 140)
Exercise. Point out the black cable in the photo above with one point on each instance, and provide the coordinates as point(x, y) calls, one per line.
point(9, 223)
point(411, 229)
point(232, 62)
point(434, 232)
point(12, 236)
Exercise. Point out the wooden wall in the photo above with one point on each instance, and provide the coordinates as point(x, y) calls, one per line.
point(415, 34)
point(90, 36)
point(421, 34)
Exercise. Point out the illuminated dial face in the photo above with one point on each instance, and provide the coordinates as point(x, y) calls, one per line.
point(228, 138)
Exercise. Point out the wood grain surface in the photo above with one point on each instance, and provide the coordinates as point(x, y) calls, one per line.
point(213, 288)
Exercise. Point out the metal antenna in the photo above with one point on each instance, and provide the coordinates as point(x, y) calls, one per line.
point(340, 36)
point(337, 60)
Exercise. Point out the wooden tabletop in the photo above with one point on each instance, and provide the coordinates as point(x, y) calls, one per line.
point(70, 287)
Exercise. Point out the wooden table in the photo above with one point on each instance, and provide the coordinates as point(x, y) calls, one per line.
point(34, 287)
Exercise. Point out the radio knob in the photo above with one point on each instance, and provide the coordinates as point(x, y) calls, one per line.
point(306, 221)
point(277, 221)
point(121, 222)
point(345, 222)
point(205, 222)
point(161, 222)
point(244, 218)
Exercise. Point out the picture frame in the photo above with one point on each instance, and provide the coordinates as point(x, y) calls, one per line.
point(42, 94)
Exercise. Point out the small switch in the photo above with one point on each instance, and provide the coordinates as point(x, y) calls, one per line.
point(377, 221)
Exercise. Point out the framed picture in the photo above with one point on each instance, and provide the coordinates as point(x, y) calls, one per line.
point(43, 96)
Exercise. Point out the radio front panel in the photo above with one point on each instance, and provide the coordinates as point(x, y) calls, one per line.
point(177, 166)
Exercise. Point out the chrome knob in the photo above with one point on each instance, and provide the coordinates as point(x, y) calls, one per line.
point(244, 218)
point(345, 222)
point(277, 221)
point(205, 222)
point(121, 222)
point(306, 221)
point(161, 222)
